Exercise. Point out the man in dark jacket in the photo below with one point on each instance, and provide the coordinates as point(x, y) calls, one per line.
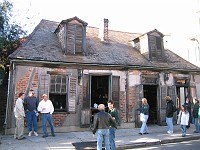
point(102, 122)
point(195, 115)
point(169, 114)
point(31, 104)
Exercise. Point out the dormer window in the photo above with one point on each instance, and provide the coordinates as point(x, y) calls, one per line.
point(151, 45)
point(155, 47)
point(72, 36)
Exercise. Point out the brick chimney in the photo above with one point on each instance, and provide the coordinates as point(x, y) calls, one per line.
point(103, 30)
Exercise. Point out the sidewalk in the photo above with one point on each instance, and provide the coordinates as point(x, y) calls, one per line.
point(125, 138)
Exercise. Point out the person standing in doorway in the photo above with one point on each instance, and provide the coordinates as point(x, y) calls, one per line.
point(183, 119)
point(188, 104)
point(46, 108)
point(31, 104)
point(19, 115)
point(102, 122)
point(169, 114)
point(195, 115)
point(115, 115)
point(144, 111)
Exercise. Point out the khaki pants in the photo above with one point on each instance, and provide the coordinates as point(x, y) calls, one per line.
point(19, 129)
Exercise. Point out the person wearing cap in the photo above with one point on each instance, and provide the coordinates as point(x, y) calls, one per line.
point(195, 115)
point(169, 114)
point(46, 108)
point(102, 122)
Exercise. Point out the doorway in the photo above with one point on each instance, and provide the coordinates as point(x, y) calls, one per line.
point(99, 90)
point(150, 93)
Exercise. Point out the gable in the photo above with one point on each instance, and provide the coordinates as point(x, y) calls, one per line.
point(72, 36)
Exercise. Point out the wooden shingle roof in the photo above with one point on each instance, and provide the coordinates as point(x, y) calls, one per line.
point(43, 45)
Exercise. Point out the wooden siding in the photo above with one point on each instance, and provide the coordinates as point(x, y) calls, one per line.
point(61, 37)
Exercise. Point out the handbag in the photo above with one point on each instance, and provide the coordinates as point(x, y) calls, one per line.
point(142, 117)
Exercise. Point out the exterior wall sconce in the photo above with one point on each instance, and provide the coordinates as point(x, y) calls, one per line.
point(166, 76)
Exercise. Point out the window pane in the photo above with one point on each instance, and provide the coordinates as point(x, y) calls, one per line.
point(52, 88)
point(53, 79)
point(63, 89)
point(58, 79)
point(59, 101)
point(57, 88)
point(64, 79)
point(58, 84)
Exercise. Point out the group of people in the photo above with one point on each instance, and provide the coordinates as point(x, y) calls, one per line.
point(105, 125)
point(186, 115)
point(30, 108)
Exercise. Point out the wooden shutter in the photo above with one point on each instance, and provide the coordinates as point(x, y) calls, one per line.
point(173, 95)
point(162, 105)
point(115, 90)
point(139, 96)
point(44, 82)
point(79, 39)
point(152, 45)
point(72, 92)
point(86, 91)
point(74, 38)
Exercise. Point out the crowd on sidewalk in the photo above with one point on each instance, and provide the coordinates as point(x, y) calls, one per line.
point(105, 124)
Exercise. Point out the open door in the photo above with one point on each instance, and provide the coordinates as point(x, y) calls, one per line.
point(162, 105)
point(115, 90)
point(139, 96)
point(172, 93)
point(85, 112)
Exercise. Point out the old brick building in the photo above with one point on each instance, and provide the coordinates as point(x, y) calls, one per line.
point(78, 66)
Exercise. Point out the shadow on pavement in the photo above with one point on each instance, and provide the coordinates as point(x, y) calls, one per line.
point(91, 145)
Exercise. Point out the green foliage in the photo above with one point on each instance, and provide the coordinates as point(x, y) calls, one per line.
point(10, 33)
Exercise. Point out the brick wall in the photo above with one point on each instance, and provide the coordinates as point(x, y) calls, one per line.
point(122, 106)
point(132, 99)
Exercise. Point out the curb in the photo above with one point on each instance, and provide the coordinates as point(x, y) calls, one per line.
point(159, 142)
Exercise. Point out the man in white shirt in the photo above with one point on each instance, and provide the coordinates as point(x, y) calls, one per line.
point(19, 115)
point(46, 108)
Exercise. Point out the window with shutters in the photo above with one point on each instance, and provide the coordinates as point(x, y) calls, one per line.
point(58, 91)
point(74, 38)
point(155, 48)
point(62, 91)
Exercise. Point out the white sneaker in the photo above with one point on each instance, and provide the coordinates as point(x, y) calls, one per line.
point(170, 132)
point(35, 133)
point(29, 134)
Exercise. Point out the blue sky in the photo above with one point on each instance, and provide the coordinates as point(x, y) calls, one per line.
point(168, 16)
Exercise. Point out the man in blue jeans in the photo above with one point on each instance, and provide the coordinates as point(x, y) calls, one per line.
point(46, 108)
point(102, 122)
point(169, 114)
point(195, 115)
point(115, 115)
point(31, 104)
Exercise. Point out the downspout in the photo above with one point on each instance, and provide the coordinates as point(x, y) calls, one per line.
point(127, 95)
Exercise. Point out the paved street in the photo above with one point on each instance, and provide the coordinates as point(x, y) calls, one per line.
point(191, 145)
point(125, 139)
